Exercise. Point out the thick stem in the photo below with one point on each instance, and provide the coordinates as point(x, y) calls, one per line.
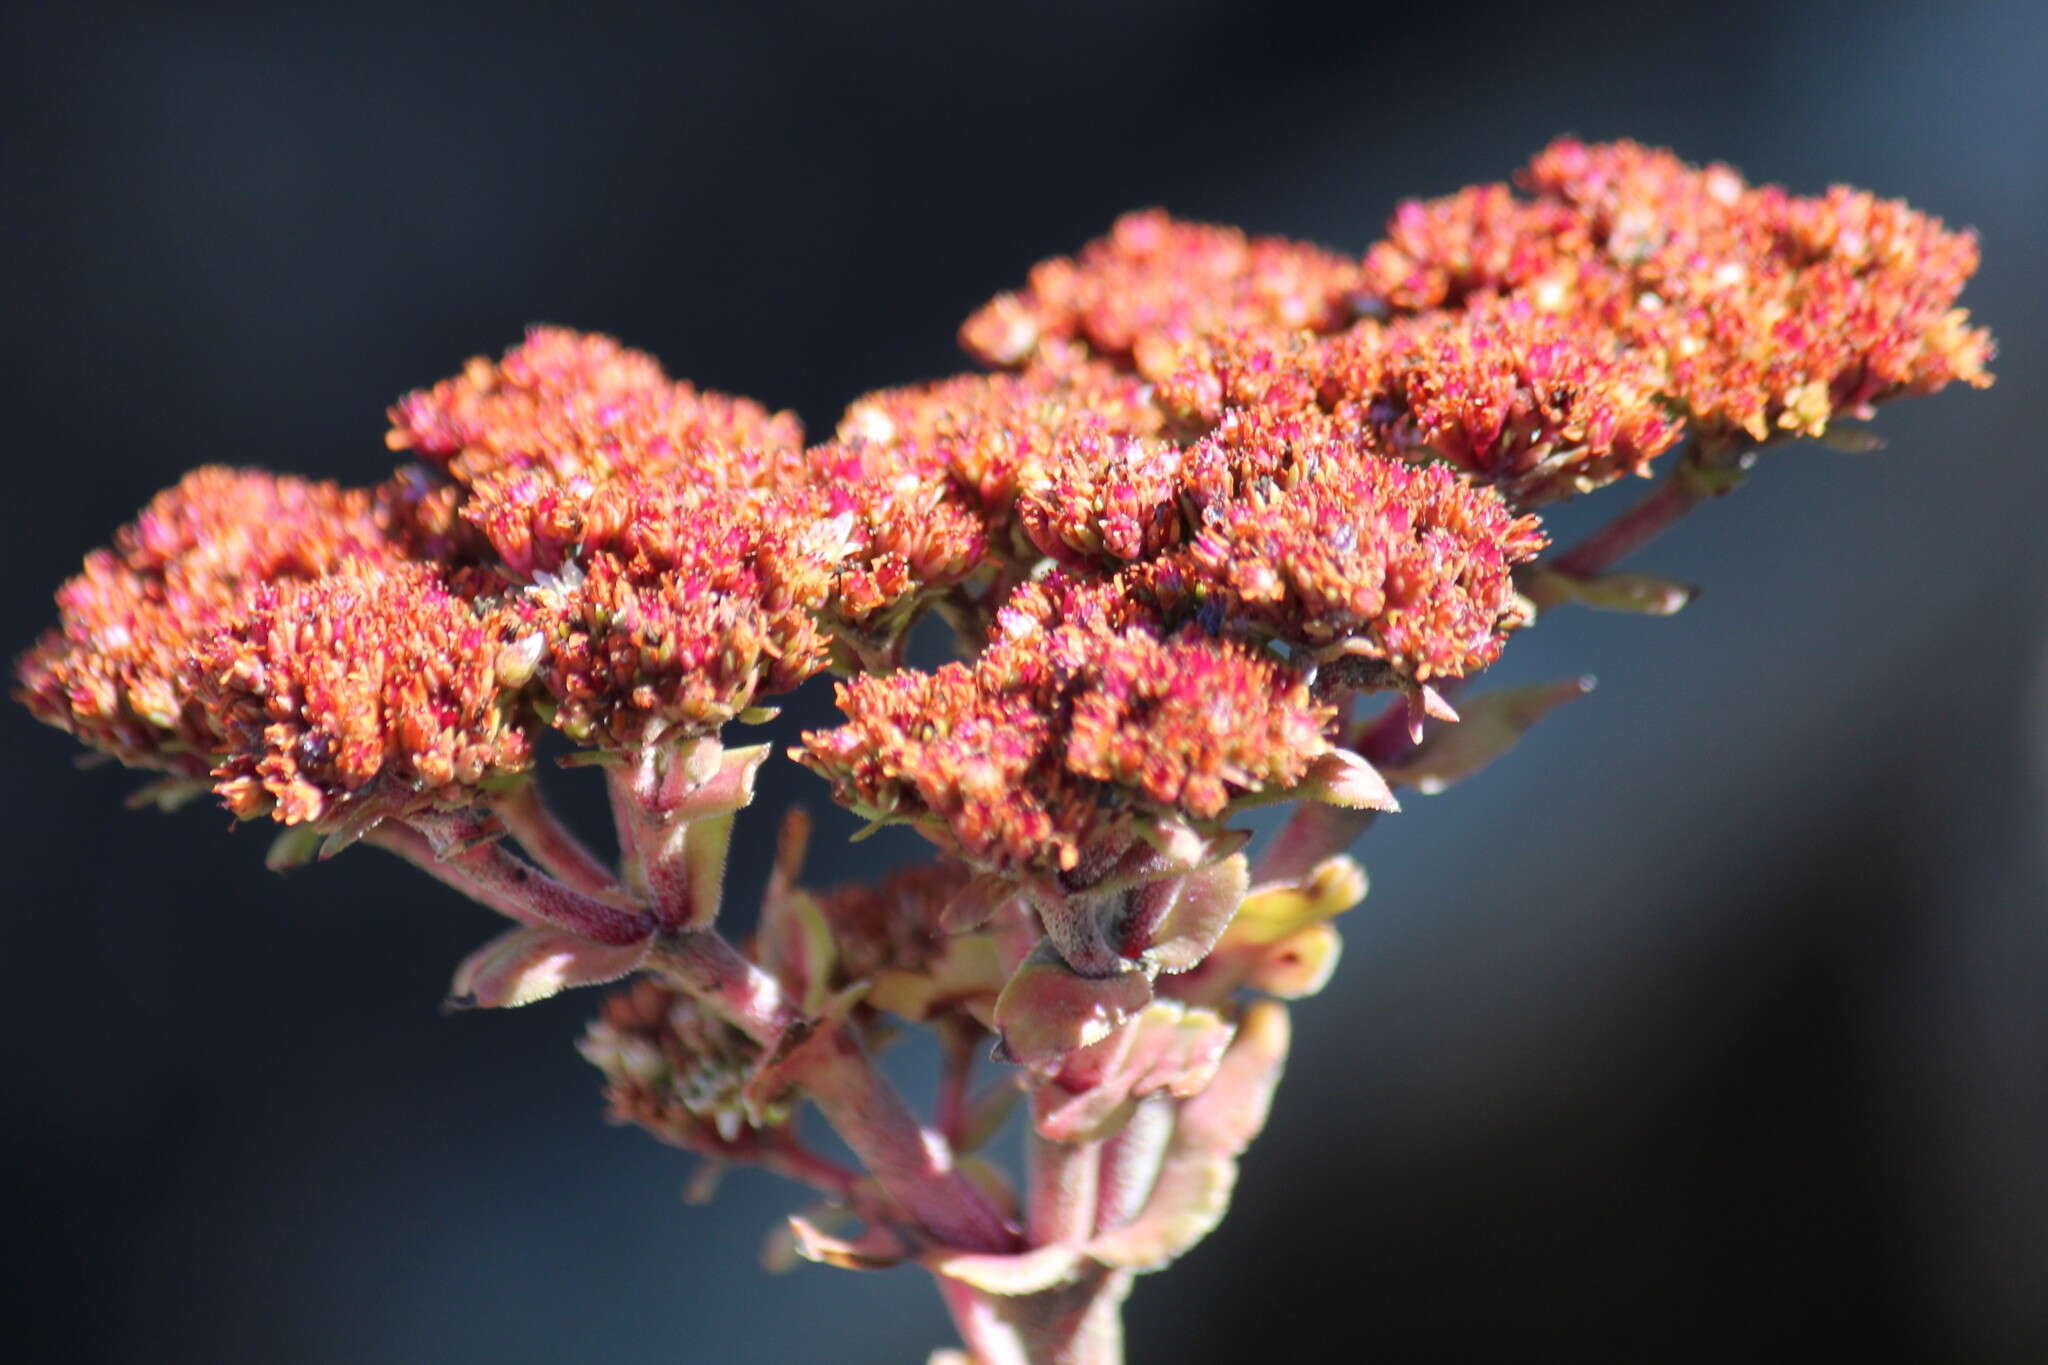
point(912, 1164)
point(619, 786)
point(525, 812)
point(1079, 1323)
point(712, 972)
point(1076, 1324)
point(1130, 1163)
point(1063, 1180)
point(498, 879)
point(957, 1048)
point(990, 1339)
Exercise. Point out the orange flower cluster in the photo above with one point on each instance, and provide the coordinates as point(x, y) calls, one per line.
point(1401, 565)
point(992, 433)
point(1767, 313)
point(1079, 713)
point(115, 670)
point(1255, 501)
point(577, 405)
point(372, 683)
point(1154, 280)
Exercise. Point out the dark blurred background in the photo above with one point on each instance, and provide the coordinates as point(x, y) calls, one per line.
point(1708, 1026)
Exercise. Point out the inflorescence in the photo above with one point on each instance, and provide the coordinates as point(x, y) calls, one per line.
point(1275, 473)
point(1211, 492)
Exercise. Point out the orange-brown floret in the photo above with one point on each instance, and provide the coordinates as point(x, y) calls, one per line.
point(1479, 242)
point(1539, 405)
point(1766, 313)
point(1104, 500)
point(992, 432)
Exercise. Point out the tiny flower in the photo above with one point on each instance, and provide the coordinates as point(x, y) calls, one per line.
point(113, 671)
point(374, 682)
point(1154, 281)
point(1107, 499)
point(1480, 241)
point(1259, 369)
point(907, 531)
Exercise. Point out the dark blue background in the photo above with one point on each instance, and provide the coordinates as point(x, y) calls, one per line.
point(1708, 1026)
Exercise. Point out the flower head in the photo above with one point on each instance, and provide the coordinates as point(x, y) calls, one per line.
point(577, 404)
point(1765, 312)
point(1079, 712)
point(909, 532)
point(1155, 280)
point(662, 608)
point(113, 672)
point(993, 433)
point(1339, 553)
point(1479, 242)
point(677, 1071)
point(376, 681)
point(1539, 404)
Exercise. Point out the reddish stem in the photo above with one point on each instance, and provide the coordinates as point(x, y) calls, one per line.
point(494, 877)
point(912, 1163)
point(990, 1339)
point(1063, 1180)
point(525, 812)
point(713, 973)
point(1130, 1163)
point(956, 1076)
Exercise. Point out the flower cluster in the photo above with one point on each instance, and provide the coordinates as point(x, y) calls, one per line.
point(374, 682)
point(1154, 280)
point(116, 672)
point(1766, 312)
point(1081, 712)
point(677, 1072)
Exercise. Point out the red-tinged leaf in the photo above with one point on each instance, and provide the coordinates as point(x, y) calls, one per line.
point(1299, 965)
point(1048, 1010)
point(526, 965)
point(1638, 593)
point(1493, 724)
point(1342, 778)
point(1200, 1171)
point(1168, 1048)
point(877, 1248)
point(1199, 907)
point(1027, 1272)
